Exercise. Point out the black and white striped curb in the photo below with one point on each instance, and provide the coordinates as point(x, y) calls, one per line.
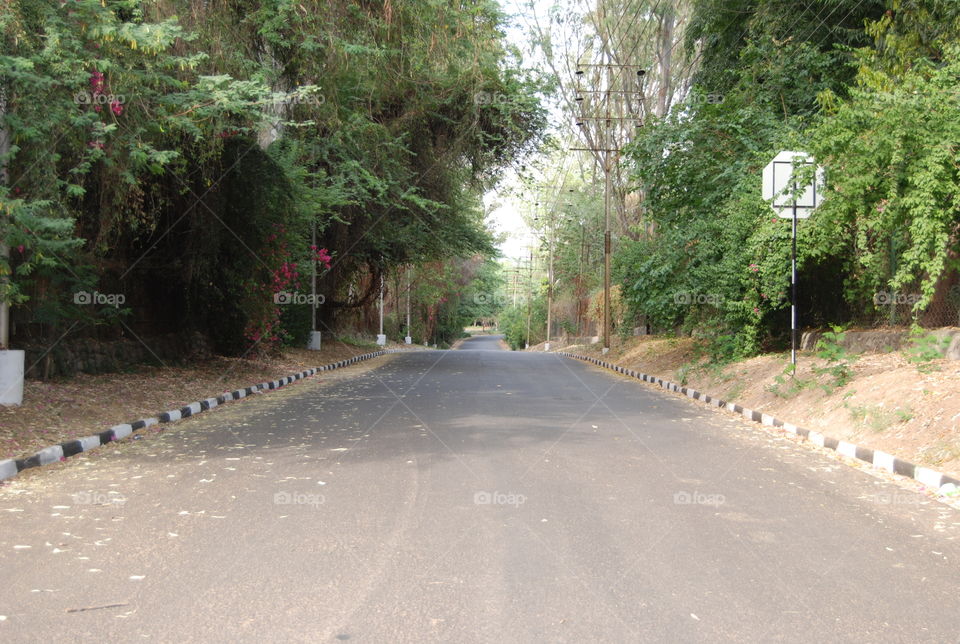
point(876, 458)
point(11, 467)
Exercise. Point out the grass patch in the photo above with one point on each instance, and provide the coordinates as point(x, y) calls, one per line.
point(786, 385)
point(735, 391)
point(877, 418)
point(356, 341)
point(925, 348)
point(838, 360)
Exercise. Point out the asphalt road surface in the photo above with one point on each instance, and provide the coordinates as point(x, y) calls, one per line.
point(476, 495)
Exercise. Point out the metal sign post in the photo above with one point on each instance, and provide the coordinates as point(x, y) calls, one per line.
point(793, 292)
point(789, 199)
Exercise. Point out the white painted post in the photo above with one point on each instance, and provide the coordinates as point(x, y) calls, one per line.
point(11, 362)
point(408, 339)
point(381, 338)
point(315, 341)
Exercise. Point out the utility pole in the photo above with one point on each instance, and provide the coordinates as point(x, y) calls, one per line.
point(579, 291)
point(544, 209)
point(315, 336)
point(5, 143)
point(607, 106)
point(606, 251)
point(529, 296)
point(549, 283)
point(313, 277)
point(381, 338)
point(409, 337)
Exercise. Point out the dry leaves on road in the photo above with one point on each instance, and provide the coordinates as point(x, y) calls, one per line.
point(60, 410)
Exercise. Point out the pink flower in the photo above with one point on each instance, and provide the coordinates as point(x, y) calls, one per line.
point(322, 255)
point(96, 82)
point(116, 107)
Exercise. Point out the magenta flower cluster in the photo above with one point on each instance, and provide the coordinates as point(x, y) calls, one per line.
point(97, 87)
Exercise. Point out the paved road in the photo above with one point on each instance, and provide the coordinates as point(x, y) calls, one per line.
point(471, 496)
point(484, 343)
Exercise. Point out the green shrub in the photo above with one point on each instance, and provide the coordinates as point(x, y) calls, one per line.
point(925, 347)
point(839, 360)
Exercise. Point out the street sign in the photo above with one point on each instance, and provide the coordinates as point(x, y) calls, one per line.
point(793, 202)
point(779, 186)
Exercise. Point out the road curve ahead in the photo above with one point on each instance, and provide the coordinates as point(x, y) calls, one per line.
point(471, 496)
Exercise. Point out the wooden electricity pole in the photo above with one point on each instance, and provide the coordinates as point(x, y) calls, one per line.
point(606, 106)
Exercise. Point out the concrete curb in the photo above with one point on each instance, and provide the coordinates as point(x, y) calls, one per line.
point(11, 467)
point(876, 458)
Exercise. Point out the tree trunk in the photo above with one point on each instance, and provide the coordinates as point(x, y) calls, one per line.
point(665, 56)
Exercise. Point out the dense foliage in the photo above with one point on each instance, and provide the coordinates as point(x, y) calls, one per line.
point(874, 104)
point(179, 157)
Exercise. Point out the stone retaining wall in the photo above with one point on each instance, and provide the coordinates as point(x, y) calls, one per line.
point(885, 340)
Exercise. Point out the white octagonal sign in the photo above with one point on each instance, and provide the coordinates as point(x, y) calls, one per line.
point(780, 189)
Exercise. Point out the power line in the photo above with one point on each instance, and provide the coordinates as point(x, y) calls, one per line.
point(607, 150)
